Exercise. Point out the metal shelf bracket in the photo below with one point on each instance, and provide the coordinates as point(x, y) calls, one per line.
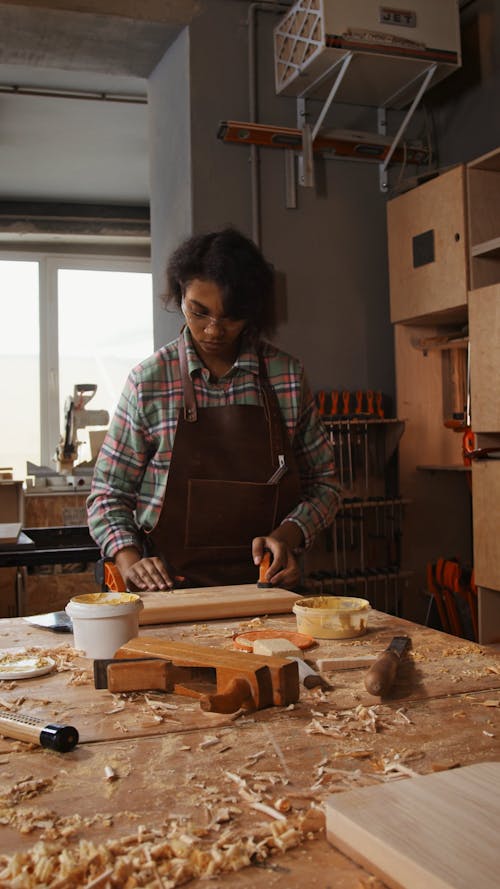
point(382, 123)
point(306, 165)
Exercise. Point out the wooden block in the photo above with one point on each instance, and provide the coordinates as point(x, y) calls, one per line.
point(439, 831)
point(279, 647)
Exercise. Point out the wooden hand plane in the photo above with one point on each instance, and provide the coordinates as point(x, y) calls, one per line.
point(224, 681)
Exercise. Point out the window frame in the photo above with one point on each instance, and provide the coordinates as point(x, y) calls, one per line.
point(49, 265)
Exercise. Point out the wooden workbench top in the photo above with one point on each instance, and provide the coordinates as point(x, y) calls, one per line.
point(181, 771)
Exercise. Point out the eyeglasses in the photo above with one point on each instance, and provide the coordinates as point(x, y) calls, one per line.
point(202, 319)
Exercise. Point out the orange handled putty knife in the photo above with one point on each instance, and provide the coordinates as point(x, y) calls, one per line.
point(380, 677)
point(264, 565)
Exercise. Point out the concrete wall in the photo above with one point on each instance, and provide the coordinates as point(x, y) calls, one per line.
point(465, 108)
point(331, 249)
point(170, 165)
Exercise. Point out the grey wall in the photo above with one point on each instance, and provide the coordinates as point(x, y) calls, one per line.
point(170, 166)
point(465, 108)
point(331, 249)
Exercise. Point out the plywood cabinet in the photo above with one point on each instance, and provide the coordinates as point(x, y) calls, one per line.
point(483, 190)
point(484, 322)
point(447, 325)
point(484, 326)
point(427, 245)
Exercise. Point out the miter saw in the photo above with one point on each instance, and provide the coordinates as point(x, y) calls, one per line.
point(77, 417)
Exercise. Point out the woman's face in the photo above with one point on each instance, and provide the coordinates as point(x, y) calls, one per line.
point(215, 336)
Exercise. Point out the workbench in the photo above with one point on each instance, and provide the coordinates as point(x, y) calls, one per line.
point(151, 766)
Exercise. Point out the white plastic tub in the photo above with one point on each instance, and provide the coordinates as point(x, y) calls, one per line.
point(102, 622)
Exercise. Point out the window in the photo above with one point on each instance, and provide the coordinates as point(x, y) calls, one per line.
point(19, 365)
point(65, 322)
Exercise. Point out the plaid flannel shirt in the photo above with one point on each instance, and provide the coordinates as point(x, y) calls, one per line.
point(131, 472)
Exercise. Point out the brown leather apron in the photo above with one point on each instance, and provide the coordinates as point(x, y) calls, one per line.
point(220, 490)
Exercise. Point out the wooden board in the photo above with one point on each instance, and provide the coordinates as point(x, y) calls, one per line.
point(213, 603)
point(439, 831)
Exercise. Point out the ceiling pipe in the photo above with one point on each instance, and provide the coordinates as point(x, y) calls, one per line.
point(84, 95)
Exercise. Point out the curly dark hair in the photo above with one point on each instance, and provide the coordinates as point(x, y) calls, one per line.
point(237, 266)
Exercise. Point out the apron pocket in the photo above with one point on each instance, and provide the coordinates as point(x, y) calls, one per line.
point(228, 514)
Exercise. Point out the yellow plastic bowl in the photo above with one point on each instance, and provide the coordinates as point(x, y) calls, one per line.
point(332, 617)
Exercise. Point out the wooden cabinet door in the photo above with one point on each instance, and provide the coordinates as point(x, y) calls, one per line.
point(484, 332)
point(428, 248)
point(486, 523)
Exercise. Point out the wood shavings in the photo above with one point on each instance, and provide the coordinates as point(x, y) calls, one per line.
point(158, 704)
point(251, 624)
point(100, 880)
point(80, 676)
point(27, 788)
point(342, 723)
point(491, 703)
point(11, 705)
point(488, 734)
point(279, 752)
point(268, 810)
point(282, 804)
point(116, 709)
point(52, 826)
point(110, 774)
point(161, 709)
point(370, 883)
point(399, 769)
point(208, 742)
point(12, 659)
point(252, 758)
point(151, 859)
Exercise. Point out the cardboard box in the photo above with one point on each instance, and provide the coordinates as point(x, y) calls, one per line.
point(11, 501)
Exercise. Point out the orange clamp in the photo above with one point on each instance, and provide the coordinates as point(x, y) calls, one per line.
point(335, 402)
point(321, 402)
point(378, 402)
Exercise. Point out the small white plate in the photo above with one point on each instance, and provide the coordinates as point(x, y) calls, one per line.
point(24, 666)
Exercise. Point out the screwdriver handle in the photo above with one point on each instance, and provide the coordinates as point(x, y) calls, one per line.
point(380, 677)
point(359, 402)
point(346, 398)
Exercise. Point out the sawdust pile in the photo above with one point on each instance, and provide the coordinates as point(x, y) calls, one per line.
point(152, 858)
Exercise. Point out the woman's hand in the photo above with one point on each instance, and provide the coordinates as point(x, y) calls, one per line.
point(142, 574)
point(284, 569)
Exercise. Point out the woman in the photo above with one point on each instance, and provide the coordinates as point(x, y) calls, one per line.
point(216, 452)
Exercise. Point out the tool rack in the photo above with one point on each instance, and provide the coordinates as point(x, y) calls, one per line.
point(360, 554)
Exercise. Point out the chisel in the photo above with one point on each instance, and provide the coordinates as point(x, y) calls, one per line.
point(381, 676)
point(61, 738)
